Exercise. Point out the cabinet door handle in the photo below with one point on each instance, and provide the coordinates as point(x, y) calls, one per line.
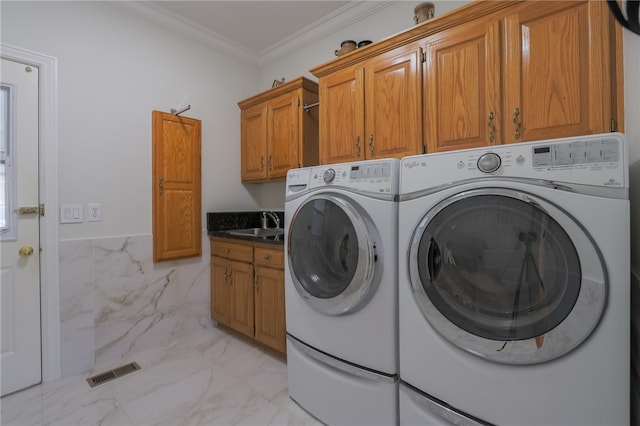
point(269, 162)
point(517, 120)
point(262, 163)
point(358, 147)
point(492, 128)
point(161, 185)
point(371, 146)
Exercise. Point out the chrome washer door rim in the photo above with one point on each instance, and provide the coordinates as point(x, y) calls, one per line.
point(362, 285)
point(576, 327)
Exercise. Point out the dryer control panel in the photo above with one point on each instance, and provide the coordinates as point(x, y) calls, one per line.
point(374, 176)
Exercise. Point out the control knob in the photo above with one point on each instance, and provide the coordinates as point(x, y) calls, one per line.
point(489, 162)
point(329, 175)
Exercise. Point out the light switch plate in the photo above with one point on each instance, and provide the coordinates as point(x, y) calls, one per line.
point(71, 213)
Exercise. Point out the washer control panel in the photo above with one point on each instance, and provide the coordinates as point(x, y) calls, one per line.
point(576, 153)
point(597, 160)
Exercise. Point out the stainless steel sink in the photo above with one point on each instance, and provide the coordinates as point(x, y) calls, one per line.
point(257, 232)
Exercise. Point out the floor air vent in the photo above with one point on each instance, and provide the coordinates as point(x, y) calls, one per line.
point(101, 378)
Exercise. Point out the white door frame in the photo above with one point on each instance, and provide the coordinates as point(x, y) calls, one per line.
point(48, 163)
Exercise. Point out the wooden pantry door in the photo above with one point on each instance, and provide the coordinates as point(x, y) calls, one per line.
point(176, 174)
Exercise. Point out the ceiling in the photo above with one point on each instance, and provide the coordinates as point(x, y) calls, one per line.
point(256, 31)
point(256, 25)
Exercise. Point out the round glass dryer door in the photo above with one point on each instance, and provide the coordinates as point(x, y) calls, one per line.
point(331, 255)
point(507, 276)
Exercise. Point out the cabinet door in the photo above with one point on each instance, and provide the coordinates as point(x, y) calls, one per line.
point(241, 298)
point(342, 116)
point(393, 107)
point(220, 289)
point(254, 143)
point(462, 86)
point(282, 135)
point(270, 311)
point(558, 78)
point(177, 231)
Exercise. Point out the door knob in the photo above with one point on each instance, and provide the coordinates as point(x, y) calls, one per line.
point(25, 251)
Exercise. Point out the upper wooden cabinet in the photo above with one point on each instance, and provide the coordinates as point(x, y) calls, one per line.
point(372, 110)
point(559, 70)
point(522, 74)
point(493, 72)
point(277, 132)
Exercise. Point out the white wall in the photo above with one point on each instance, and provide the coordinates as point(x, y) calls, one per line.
point(113, 70)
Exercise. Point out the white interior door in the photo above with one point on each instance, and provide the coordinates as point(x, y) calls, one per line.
point(19, 220)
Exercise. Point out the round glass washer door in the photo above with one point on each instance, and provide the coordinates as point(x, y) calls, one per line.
point(507, 276)
point(332, 256)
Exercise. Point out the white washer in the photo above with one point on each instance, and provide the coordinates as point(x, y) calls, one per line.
point(341, 291)
point(514, 284)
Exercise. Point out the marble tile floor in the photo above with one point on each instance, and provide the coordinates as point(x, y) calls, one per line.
point(208, 378)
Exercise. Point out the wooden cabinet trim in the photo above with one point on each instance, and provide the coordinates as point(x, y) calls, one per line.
point(298, 83)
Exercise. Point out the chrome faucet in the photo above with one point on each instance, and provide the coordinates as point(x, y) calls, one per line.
point(265, 219)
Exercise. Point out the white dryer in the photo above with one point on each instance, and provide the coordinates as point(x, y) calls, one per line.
point(341, 291)
point(514, 284)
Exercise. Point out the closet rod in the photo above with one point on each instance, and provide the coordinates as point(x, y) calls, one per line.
point(176, 112)
point(307, 107)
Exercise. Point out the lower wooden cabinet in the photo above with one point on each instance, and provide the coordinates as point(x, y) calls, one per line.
point(269, 298)
point(247, 290)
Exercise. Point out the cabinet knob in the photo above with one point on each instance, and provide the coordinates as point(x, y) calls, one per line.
point(267, 257)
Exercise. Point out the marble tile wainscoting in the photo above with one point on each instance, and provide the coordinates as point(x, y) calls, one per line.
point(115, 301)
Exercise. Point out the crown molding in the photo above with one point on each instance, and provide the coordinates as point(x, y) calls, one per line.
point(350, 13)
point(170, 20)
point(347, 15)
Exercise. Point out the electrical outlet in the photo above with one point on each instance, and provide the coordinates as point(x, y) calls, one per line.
point(94, 212)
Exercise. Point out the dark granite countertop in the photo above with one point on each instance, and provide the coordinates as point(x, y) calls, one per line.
point(275, 240)
point(219, 223)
